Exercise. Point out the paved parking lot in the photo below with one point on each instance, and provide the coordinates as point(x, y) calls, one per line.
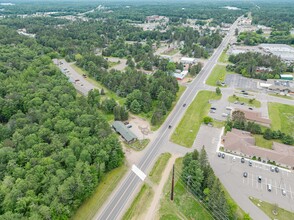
point(238, 81)
point(233, 170)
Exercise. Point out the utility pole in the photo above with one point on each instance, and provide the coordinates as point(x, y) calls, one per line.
point(172, 186)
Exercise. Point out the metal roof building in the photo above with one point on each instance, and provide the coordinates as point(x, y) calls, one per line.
point(120, 128)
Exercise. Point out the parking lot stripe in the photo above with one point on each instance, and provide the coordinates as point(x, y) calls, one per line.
point(252, 179)
point(276, 187)
point(290, 191)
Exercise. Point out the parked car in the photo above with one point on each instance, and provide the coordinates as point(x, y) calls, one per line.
point(259, 179)
point(272, 169)
point(245, 174)
point(129, 126)
point(283, 192)
point(242, 103)
point(242, 160)
point(277, 169)
point(223, 155)
point(213, 108)
point(250, 163)
point(219, 154)
point(269, 187)
point(250, 108)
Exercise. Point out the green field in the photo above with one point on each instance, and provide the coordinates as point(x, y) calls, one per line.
point(89, 208)
point(218, 73)
point(282, 96)
point(282, 117)
point(155, 174)
point(267, 208)
point(138, 145)
point(187, 129)
point(184, 206)
point(140, 203)
point(171, 53)
point(254, 103)
point(224, 57)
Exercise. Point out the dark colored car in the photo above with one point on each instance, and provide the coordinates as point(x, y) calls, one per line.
point(219, 154)
point(250, 108)
point(245, 174)
point(213, 108)
point(223, 155)
point(250, 163)
point(242, 160)
point(277, 169)
point(169, 126)
point(184, 105)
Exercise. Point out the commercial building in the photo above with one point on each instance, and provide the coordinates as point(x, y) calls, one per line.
point(243, 143)
point(125, 132)
point(255, 116)
point(285, 52)
point(278, 86)
point(180, 75)
point(187, 60)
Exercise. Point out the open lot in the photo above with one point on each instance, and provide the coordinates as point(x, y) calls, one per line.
point(282, 117)
point(188, 127)
point(218, 73)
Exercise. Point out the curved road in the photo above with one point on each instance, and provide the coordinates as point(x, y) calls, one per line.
point(118, 201)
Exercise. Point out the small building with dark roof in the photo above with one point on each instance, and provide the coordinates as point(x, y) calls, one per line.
point(125, 132)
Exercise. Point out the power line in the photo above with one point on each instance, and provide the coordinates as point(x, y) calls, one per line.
point(200, 195)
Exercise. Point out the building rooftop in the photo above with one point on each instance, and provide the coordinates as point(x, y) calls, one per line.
point(124, 131)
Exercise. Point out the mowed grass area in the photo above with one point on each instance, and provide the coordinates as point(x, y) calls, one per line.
point(224, 57)
point(144, 198)
point(261, 142)
point(171, 52)
point(179, 94)
point(282, 117)
point(89, 208)
point(267, 208)
point(255, 103)
point(155, 174)
point(187, 129)
point(108, 93)
point(218, 73)
point(282, 96)
point(140, 203)
point(138, 145)
point(184, 206)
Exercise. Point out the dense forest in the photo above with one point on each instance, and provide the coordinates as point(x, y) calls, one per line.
point(54, 147)
point(247, 63)
point(200, 179)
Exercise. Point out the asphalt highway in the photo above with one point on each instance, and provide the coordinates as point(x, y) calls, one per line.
point(113, 209)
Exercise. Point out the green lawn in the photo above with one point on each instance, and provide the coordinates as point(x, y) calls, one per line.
point(140, 203)
point(267, 208)
point(187, 129)
point(184, 206)
point(282, 96)
point(179, 94)
point(89, 208)
point(139, 144)
point(224, 57)
point(261, 142)
point(255, 103)
point(91, 80)
point(282, 117)
point(155, 174)
point(218, 73)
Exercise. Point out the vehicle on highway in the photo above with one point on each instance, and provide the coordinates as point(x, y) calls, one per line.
point(184, 105)
point(272, 169)
point(250, 163)
point(245, 174)
point(223, 155)
point(259, 179)
point(169, 126)
point(242, 160)
point(277, 169)
point(269, 187)
point(283, 192)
